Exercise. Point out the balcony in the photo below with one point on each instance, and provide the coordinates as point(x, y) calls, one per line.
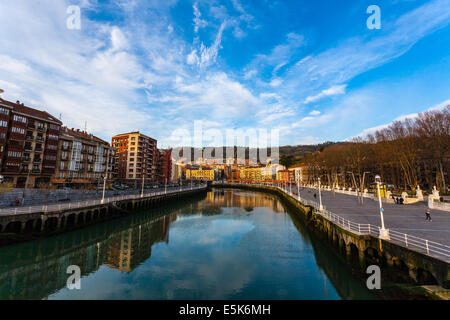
point(26, 159)
point(41, 128)
point(39, 138)
point(28, 148)
point(29, 137)
point(38, 149)
point(31, 126)
point(37, 160)
point(36, 171)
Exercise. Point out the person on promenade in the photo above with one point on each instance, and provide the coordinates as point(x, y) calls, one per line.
point(428, 215)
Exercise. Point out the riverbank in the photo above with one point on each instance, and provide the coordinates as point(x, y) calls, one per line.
point(406, 274)
point(36, 222)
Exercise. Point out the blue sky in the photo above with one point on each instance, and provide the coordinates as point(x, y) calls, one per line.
point(311, 69)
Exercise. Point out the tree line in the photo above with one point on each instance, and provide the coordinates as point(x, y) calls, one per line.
point(406, 154)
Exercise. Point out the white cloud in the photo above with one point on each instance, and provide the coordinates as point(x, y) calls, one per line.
point(198, 22)
point(334, 90)
point(372, 130)
point(314, 113)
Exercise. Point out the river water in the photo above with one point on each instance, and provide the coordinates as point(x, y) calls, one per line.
point(226, 244)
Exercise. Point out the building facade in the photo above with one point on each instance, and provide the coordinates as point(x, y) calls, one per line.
point(135, 156)
point(164, 165)
point(254, 174)
point(298, 173)
point(283, 175)
point(29, 141)
point(201, 174)
point(83, 159)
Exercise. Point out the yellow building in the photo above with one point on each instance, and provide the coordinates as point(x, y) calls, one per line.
point(253, 174)
point(200, 174)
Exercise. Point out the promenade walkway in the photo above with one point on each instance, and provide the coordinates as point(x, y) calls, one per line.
point(408, 219)
point(56, 207)
point(406, 223)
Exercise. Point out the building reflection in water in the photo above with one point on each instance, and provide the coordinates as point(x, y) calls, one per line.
point(34, 270)
point(235, 198)
point(37, 269)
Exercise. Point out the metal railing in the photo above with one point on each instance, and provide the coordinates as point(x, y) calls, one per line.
point(414, 243)
point(49, 208)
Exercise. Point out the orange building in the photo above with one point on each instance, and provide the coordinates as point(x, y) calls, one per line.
point(136, 156)
point(283, 175)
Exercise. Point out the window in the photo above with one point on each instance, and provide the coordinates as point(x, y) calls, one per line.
point(17, 118)
point(3, 123)
point(52, 147)
point(18, 130)
point(4, 111)
point(11, 164)
point(14, 154)
point(53, 137)
point(54, 127)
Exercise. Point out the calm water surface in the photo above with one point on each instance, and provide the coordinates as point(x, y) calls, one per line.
point(227, 244)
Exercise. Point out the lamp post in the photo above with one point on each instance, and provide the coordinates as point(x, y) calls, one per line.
point(384, 233)
point(320, 198)
point(142, 188)
point(104, 188)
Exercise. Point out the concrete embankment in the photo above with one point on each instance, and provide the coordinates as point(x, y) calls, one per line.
point(38, 224)
point(402, 269)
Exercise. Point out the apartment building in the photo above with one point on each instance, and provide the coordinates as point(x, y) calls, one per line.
point(205, 174)
point(254, 174)
point(298, 173)
point(28, 144)
point(135, 156)
point(164, 165)
point(283, 175)
point(83, 159)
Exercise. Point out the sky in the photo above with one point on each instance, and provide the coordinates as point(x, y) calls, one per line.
point(312, 70)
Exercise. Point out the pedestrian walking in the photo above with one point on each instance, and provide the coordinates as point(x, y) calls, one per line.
point(428, 215)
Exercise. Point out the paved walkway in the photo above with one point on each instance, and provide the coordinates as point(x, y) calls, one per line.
point(408, 219)
point(57, 207)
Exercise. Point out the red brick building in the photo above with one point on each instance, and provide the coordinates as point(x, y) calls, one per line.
point(28, 144)
point(164, 166)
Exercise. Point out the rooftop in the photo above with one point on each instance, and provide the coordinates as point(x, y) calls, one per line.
point(34, 113)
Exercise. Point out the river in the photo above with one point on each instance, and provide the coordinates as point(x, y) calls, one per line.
point(226, 244)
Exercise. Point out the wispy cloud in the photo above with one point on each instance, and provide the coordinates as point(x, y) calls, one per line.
point(334, 90)
point(198, 22)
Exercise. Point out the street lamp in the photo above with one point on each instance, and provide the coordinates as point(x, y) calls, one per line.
point(320, 198)
point(384, 233)
point(104, 188)
point(142, 188)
